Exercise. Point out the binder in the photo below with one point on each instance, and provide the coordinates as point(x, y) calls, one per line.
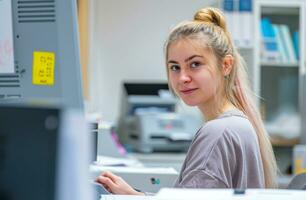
point(231, 13)
point(269, 44)
point(245, 21)
point(288, 43)
point(296, 47)
point(283, 55)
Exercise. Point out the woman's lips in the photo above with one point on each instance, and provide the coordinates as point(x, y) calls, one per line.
point(188, 91)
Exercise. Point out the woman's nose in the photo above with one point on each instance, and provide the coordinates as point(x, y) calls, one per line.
point(185, 77)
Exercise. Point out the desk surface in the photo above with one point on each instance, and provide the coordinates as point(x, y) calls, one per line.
point(230, 194)
point(215, 194)
point(126, 197)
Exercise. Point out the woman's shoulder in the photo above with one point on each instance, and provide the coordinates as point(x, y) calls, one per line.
point(230, 124)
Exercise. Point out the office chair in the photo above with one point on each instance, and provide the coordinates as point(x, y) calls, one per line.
point(298, 182)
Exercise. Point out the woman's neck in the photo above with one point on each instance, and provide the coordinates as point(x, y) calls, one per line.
point(211, 113)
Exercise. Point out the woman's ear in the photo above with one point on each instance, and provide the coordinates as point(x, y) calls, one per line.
point(227, 65)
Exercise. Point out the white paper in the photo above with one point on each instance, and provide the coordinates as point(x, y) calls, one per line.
point(228, 194)
point(6, 37)
point(112, 161)
point(126, 197)
point(138, 170)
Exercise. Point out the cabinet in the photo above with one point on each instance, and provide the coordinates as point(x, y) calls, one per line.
point(277, 78)
point(278, 75)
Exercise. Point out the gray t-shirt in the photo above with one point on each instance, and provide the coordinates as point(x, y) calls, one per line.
point(223, 154)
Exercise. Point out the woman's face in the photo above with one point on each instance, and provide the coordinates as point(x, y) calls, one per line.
point(192, 72)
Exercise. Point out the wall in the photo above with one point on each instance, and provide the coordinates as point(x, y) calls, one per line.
point(83, 30)
point(126, 43)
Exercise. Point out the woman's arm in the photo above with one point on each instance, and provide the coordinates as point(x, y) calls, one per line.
point(115, 184)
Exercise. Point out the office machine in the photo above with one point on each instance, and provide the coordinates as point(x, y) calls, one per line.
point(39, 52)
point(40, 155)
point(142, 178)
point(148, 121)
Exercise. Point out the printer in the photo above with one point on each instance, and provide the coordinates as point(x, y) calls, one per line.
point(148, 121)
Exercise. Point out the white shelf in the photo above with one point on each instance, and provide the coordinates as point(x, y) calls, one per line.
point(269, 10)
point(282, 131)
point(245, 48)
point(279, 64)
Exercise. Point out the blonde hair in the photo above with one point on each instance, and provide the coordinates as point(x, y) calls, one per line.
point(209, 25)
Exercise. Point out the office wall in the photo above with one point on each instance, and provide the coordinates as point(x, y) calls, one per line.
point(126, 43)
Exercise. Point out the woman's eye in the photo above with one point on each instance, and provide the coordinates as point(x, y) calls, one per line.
point(195, 64)
point(174, 67)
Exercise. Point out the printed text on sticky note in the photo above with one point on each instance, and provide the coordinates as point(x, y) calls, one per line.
point(43, 68)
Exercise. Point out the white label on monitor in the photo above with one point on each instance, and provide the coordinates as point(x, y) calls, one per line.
point(6, 37)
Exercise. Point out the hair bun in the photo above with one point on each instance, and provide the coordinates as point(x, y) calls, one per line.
point(211, 15)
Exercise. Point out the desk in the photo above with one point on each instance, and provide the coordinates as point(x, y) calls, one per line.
point(229, 194)
point(126, 197)
point(215, 194)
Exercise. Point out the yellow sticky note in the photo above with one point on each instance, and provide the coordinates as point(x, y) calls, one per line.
point(43, 68)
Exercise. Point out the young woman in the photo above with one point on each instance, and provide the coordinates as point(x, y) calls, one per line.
point(232, 149)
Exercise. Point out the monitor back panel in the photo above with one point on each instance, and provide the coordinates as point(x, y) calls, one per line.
point(46, 53)
point(28, 152)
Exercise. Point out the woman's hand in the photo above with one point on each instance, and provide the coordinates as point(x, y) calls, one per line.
point(115, 184)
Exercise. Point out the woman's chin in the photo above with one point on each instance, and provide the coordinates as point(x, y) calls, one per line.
point(190, 103)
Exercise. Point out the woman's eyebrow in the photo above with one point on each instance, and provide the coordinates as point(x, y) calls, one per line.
point(186, 60)
point(172, 62)
point(192, 57)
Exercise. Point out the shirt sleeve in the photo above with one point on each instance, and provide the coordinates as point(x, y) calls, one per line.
point(201, 179)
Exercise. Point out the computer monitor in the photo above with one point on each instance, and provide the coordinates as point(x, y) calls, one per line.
point(39, 52)
point(44, 154)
